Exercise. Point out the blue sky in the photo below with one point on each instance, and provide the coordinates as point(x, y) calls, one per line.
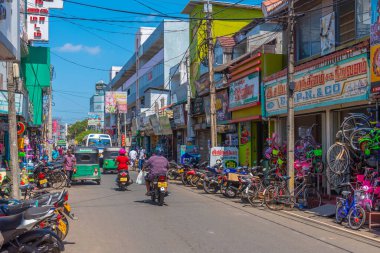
point(83, 43)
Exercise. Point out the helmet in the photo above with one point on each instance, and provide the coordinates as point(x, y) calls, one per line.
point(158, 151)
point(122, 151)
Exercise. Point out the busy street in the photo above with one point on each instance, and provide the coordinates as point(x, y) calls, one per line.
point(189, 126)
point(191, 221)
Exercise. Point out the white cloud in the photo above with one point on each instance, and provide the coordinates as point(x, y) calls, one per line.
point(71, 48)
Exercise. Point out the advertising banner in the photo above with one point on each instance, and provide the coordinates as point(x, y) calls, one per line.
point(229, 156)
point(198, 106)
point(245, 143)
point(336, 83)
point(19, 101)
point(328, 34)
point(375, 46)
point(202, 85)
point(189, 154)
point(155, 124)
point(94, 119)
point(166, 129)
point(179, 115)
point(116, 101)
point(244, 91)
point(222, 113)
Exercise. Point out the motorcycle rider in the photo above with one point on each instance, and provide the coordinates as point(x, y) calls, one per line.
point(156, 165)
point(122, 160)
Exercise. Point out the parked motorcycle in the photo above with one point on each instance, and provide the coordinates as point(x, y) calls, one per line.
point(159, 189)
point(123, 180)
point(18, 233)
point(175, 170)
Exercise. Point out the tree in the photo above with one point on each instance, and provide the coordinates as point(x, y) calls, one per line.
point(77, 128)
point(79, 137)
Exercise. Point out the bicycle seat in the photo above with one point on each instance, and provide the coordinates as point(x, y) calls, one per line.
point(345, 193)
point(10, 222)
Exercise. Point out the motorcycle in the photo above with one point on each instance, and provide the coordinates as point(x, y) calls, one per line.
point(18, 233)
point(175, 170)
point(123, 180)
point(159, 189)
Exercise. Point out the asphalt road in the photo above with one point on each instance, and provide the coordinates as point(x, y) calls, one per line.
point(113, 221)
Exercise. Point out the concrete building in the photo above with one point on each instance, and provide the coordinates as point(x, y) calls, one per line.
point(97, 103)
point(157, 51)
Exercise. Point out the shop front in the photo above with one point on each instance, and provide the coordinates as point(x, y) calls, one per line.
point(179, 129)
point(326, 91)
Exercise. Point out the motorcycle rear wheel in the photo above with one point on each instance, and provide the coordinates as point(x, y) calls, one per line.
point(210, 188)
point(161, 198)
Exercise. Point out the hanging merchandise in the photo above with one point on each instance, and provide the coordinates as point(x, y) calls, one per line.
point(20, 128)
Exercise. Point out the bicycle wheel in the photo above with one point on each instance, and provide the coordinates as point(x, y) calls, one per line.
point(312, 198)
point(353, 122)
point(356, 135)
point(340, 214)
point(338, 158)
point(57, 179)
point(336, 179)
point(356, 217)
point(274, 198)
point(256, 199)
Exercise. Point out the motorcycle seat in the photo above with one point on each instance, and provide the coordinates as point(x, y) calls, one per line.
point(13, 210)
point(345, 193)
point(10, 222)
point(36, 212)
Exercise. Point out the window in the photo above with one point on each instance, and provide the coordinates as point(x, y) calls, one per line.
point(308, 37)
point(142, 101)
point(346, 22)
point(363, 18)
point(218, 54)
point(128, 92)
point(162, 102)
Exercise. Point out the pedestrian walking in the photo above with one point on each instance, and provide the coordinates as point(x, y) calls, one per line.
point(69, 163)
point(133, 157)
point(142, 156)
point(55, 154)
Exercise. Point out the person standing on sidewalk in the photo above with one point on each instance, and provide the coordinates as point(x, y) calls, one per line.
point(142, 156)
point(69, 163)
point(133, 157)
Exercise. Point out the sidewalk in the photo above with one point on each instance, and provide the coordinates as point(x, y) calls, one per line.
point(330, 222)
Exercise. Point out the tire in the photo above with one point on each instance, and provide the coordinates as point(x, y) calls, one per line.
point(312, 197)
point(194, 180)
point(230, 192)
point(339, 213)
point(272, 197)
point(161, 198)
point(122, 187)
point(356, 135)
point(338, 159)
point(153, 197)
point(356, 217)
point(97, 182)
point(353, 122)
point(58, 232)
point(257, 198)
point(184, 179)
point(58, 180)
point(172, 175)
point(210, 188)
point(47, 242)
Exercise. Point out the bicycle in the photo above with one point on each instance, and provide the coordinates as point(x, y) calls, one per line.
point(278, 196)
point(348, 207)
point(306, 143)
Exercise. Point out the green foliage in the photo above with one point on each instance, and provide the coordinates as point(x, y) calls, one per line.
point(77, 128)
point(79, 137)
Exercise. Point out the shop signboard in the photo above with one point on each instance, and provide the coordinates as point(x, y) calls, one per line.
point(155, 124)
point(19, 101)
point(270, 7)
point(179, 115)
point(198, 107)
point(189, 154)
point(375, 46)
point(229, 156)
point(202, 85)
point(245, 143)
point(37, 20)
point(207, 106)
point(116, 102)
point(343, 82)
point(222, 113)
point(94, 119)
point(165, 126)
point(244, 91)
point(328, 33)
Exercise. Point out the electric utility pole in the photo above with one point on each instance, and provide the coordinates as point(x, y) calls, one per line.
point(210, 55)
point(118, 126)
point(188, 105)
point(290, 94)
point(12, 75)
point(50, 124)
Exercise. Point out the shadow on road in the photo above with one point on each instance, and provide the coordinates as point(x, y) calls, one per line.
point(148, 201)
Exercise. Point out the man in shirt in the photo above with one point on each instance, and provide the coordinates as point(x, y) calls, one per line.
point(142, 157)
point(133, 157)
point(155, 166)
point(69, 163)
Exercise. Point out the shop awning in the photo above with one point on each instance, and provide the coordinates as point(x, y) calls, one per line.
point(256, 117)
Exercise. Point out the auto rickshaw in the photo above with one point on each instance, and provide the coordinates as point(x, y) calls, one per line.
point(87, 165)
point(109, 156)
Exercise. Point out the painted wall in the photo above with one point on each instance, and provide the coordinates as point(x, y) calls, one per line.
point(10, 31)
point(220, 28)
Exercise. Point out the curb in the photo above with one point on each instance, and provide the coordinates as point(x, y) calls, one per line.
point(331, 226)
